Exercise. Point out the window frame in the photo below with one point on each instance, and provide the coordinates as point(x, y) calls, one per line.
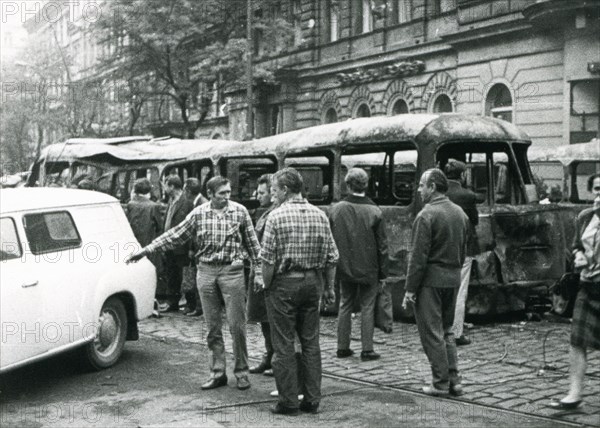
point(18, 241)
point(235, 188)
point(390, 198)
point(516, 184)
point(71, 246)
point(327, 170)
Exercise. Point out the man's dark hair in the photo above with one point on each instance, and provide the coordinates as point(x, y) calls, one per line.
point(591, 179)
point(175, 181)
point(357, 179)
point(454, 169)
point(214, 183)
point(437, 177)
point(142, 186)
point(290, 178)
point(193, 186)
point(265, 179)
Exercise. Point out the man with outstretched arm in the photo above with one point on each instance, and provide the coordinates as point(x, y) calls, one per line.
point(224, 237)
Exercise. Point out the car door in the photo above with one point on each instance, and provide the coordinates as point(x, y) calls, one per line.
point(54, 240)
point(21, 302)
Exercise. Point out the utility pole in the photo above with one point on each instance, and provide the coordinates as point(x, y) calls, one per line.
point(249, 94)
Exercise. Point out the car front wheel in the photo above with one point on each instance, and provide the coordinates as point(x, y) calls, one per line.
point(106, 348)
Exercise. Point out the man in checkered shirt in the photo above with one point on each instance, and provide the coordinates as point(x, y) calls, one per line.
point(298, 254)
point(224, 237)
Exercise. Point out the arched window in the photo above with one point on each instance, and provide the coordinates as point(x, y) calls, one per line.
point(442, 104)
point(400, 107)
point(498, 103)
point(363, 111)
point(331, 116)
point(216, 136)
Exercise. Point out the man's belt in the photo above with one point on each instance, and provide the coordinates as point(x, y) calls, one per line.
point(216, 263)
point(297, 273)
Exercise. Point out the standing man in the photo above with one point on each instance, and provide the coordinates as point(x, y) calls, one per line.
point(224, 237)
point(437, 254)
point(359, 231)
point(298, 250)
point(467, 200)
point(175, 258)
point(144, 214)
point(257, 309)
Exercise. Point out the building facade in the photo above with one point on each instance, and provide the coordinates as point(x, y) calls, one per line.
point(533, 63)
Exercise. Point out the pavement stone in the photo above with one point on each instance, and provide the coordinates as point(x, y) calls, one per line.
point(517, 366)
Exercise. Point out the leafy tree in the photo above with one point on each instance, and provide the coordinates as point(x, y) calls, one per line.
point(184, 49)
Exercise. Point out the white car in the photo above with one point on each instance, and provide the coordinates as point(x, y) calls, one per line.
point(64, 283)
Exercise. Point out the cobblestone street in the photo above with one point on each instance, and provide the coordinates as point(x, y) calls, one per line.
point(517, 366)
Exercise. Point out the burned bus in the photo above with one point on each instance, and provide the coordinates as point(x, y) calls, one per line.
point(522, 242)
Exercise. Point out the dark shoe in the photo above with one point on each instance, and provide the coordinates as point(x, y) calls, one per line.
point(369, 355)
point(344, 353)
point(280, 409)
point(307, 407)
point(243, 383)
point(194, 313)
point(456, 390)
point(561, 405)
point(260, 368)
point(269, 372)
point(463, 340)
point(215, 382)
point(433, 391)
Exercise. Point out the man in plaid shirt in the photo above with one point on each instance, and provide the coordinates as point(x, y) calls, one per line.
point(298, 248)
point(224, 237)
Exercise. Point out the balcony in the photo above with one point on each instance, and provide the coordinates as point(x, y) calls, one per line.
point(549, 12)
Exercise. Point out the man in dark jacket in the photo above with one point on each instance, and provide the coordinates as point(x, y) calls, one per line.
point(193, 307)
point(437, 254)
point(467, 200)
point(359, 232)
point(179, 207)
point(144, 214)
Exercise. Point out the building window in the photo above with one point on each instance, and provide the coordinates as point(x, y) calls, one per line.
point(585, 106)
point(297, 20)
point(333, 22)
point(363, 111)
point(400, 107)
point(367, 17)
point(330, 13)
point(403, 7)
point(442, 104)
point(498, 103)
point(330, 116)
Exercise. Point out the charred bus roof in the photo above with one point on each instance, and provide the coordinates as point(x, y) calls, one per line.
point(567, 154)
point(426, 128)
point(123, 150)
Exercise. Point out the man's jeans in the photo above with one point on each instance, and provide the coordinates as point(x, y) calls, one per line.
point(293, 307)
point(349, 292)
point(434, 313)
point(226, 282)
point(461, 298)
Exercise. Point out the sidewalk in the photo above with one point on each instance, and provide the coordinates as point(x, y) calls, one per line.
point(514, 366)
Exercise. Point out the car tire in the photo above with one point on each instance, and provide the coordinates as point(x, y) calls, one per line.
point(107, 347)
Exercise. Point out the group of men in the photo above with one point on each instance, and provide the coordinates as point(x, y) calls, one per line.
point(294, 251)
